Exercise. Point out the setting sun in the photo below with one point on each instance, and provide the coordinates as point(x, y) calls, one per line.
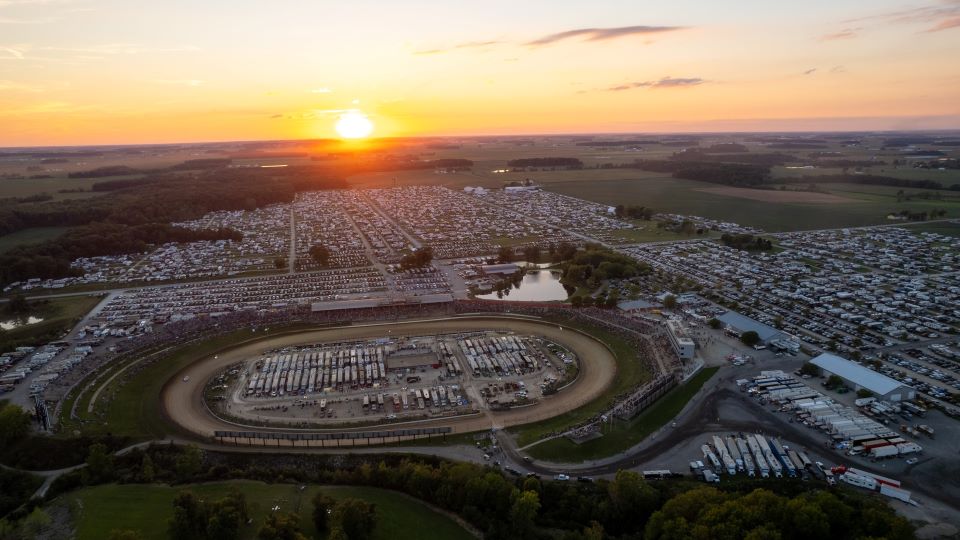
point(354, 125)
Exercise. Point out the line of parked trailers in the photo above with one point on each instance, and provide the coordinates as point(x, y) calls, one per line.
point(752, 454)
point(847, 428)
point(420, 398)
point(306, 372)
point(499, 354)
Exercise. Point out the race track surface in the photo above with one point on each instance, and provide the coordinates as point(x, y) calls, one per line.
point(182, 401)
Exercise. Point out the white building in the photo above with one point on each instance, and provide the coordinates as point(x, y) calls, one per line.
point(680, 339)
point(857, 377)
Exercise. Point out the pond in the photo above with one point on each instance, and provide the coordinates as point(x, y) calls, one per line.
point(17, 323)
point(536, 286)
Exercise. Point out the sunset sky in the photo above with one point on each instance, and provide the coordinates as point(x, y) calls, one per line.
point(132, 71)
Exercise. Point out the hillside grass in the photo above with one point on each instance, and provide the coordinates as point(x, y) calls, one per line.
point(621, 436)
point(146, 508)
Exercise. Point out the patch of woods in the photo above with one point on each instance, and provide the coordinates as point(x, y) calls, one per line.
point(123, 170)
point(589, 268)
point(501, 507)
point(134, 216)
point(753, 171)
point(418, 258)
point(746, 242)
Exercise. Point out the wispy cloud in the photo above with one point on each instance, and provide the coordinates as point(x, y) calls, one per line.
point(322, 90)
point(939, 16)
point(846, 33)
point(666, 82)
point(810, 71)
point(459, 46)
point(601, 34)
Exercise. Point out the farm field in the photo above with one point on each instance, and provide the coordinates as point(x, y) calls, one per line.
point(624, 435)
point(671, 195)
point(146, 508)
point(27, 237)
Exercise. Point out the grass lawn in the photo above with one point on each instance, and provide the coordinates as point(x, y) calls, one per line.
point(134, 410)
point(146, 508)
point(623, 435)
point(944, 228)
point(29, 237)
point(58, 314)
point(630, 372)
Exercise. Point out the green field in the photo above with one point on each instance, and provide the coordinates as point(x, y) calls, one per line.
point(671, 195)
point(28, 237)
point(624, 435)
point(134, 408)
point(630, 372)
point(58, 316)
point(146, 508)
point(944, 228)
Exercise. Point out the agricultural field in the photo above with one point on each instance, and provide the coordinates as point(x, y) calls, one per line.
point(146, 508)
point(678, 196)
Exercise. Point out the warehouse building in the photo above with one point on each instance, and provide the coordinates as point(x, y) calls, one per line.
point(737, 324)
point(680, 339)
point(856, 376)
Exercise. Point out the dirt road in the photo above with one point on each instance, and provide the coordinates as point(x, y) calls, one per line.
point(182, 400)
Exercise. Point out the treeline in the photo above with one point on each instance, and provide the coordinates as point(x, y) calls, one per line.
point(868, 179)
point(123, 170)
point(131, 219)
point(633, 212)
point(625, 507)
point(606, 144)
point(568, 162)
point(705, 156)
point(747, 242)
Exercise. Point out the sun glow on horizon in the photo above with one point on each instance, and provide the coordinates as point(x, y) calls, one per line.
point(354, 125)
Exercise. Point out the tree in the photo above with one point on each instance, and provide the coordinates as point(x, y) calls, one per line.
point(99, 467)
point(356, 518)
point(531, 254)
point(810, 369)
point(670, 301)
point(750, 338)
point(226, 517)
point(419, 258)
point(320, 254)
point(523, 512)
point(188, 463)
point(833, 381)
point(322, 508)
point(280, 263)
point(14, 424)
point(864, 393)
point(281, 526)
point(505, 254)
point(189, 519)
point(147, 472)
point(18, 304)
point(715, 323)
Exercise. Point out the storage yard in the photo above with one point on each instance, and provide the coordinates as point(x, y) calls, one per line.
point(492, 371)
point(387, 379)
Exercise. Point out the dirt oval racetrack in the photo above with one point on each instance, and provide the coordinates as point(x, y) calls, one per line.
point(182, 396)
